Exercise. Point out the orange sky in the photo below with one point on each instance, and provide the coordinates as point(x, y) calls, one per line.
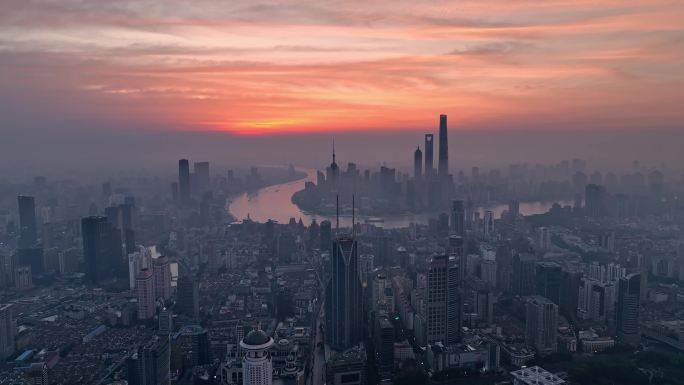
point(276, 66)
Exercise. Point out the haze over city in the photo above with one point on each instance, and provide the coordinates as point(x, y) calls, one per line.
point(280, 192)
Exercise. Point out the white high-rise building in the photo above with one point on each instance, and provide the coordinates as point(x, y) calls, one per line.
point(257, 368)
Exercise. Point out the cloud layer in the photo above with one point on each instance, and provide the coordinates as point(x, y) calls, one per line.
point(273, 66)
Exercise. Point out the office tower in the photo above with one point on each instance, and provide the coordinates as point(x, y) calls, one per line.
point(343, 296)
point(629, 291)
point(144, 291)
point(548, 280)
point(488, 272)
point(325, 235)
point(443, 166)
point(429, 166)
point(113, 217)
point(202, 175)
point(443, 304)
point(523, 274)
point(513, 209)
point(384, 341)
point(458, 217)
point(197, 338)
point(543, 238)
point(541, 324)
point(27, 221)
point(23, 277)
point(418, 165)
point(165, 322)
point(188, 296)
point(257, 368)
point(101, 249)
point(184, 181)
point(162, 278)
point(7, 331)
point(569, 292)
point(151, 363)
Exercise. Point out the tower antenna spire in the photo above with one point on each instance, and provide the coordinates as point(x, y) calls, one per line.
point(333, 150)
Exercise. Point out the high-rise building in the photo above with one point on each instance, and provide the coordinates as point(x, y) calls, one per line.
point(383, 334)
point(569, 292)
point(595, 197)
point(197, 338)
point(165, 322)
point(151, 363)
point(144, 290)
point(343, 296)
point(7, 331)
point(627, 321)
point(325, 235)
point(184, 181)
point(101, 249)
point(27, 221)
point(429, 165)
point(162, 278)
point(443, 305)
point(257, 368)
point(543, 238)
point(523, 274)
point(548, 280)
point(541, 324)
point(23, 278)
point(418, 165)
point(458, 217)
point(443, 166)
point(203, 178)
point(188, 296)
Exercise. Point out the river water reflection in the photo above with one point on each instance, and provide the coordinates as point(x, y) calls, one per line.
point(275, 202)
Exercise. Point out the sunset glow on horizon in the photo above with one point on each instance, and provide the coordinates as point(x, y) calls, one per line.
point(258, 67)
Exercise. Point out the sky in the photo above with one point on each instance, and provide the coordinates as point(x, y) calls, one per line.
point(111, 85)
point(260, 67)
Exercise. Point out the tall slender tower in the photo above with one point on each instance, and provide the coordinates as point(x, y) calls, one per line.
point(27, 221)
point(443, 300)
point(418, 164)
point(429, 167)
point(443, 170)
point(629, 291)
point(343, 296)
point(184, 181)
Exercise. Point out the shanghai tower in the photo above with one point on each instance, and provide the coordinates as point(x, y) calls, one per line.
point(443, 166)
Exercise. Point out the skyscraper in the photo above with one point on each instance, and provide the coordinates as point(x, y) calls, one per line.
point(184, 181)
point(202, 175)
point(458, 217)
point(7, 331)
point(27, 221)
point(101, 249)
point(443, 317)
point(429, 166)
point(343, 296)
point(257, 368)
point(418, 164)
point(144, 290)
point(443, 165)
point(548, 280)
point(151, 363)
point(629, 290)
point(162, 278)
point(188, 296)
point(325, 235)
point(541, 324)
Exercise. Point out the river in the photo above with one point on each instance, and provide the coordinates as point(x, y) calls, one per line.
point(275, 202)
